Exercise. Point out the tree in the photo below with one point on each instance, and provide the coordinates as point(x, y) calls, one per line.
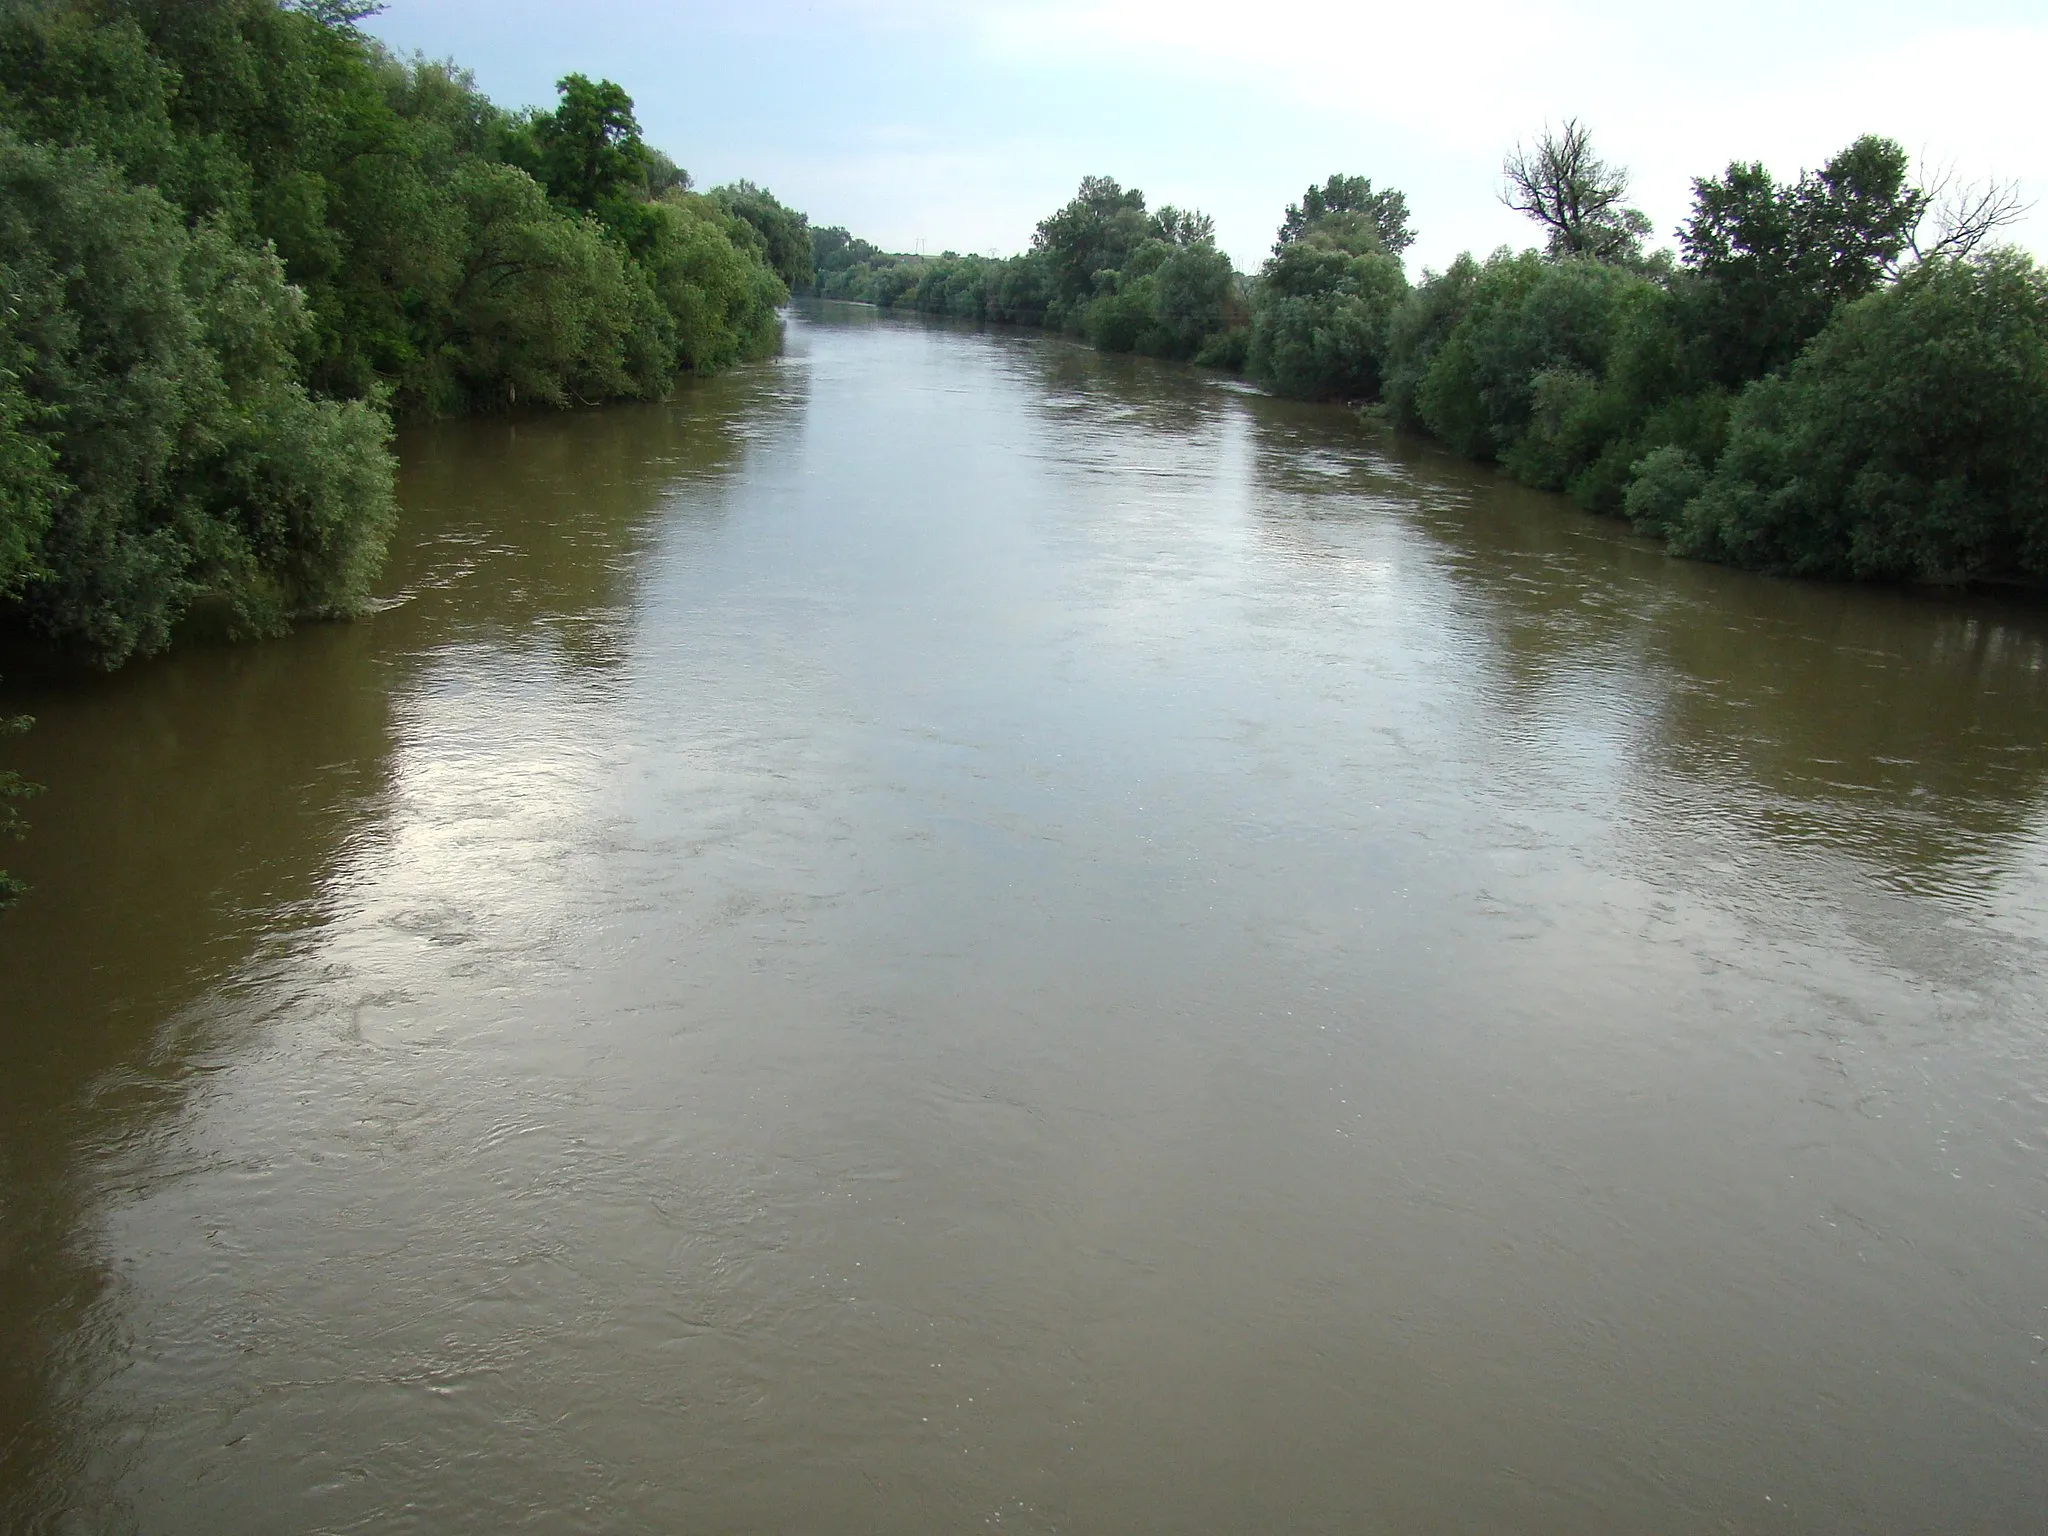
point(785, 233)
point(1183, 227)
point(1351, 215)
point(1965, 214)
point(1096, 232)
point(1773, 262)
point(1319, 325)
point(1910, 440)
point(183, 457)
point(1575, 195)
point(590, 147)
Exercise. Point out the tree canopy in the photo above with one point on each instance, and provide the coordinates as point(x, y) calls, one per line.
point(1346, 212)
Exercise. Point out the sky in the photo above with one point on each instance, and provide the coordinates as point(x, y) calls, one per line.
point(934, 126)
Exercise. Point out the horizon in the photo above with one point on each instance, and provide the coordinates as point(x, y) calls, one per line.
point(922, 130)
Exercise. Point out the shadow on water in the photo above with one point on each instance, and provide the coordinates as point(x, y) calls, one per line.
point(200, 805)
point(1905, 727)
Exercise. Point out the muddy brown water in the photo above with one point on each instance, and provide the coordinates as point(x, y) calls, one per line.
point(950, 933)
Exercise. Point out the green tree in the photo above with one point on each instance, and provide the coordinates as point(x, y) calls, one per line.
point(182, 458)
point(1418, 330)
point(1351, 215)
point(723, 302)
point(1773, 262)
point(1096, 232)
point(1319, 325)
point(339, 13)
point(590, 150)
point(546, 309)
point(785, 233)
point(1909, 441)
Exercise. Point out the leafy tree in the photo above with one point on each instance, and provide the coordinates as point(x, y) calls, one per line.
point(1576, 196)
point(1663, 482)
point(1417, 332)
point(722, 302)
point(1096, 232)
point(1195, 296)
point(233, 231)
point(546, 309)
point(339, 13)
point(29, 486)
point(1319, 327)
point(180, 454)
point(1773, 262)
point(1350, 215)
point(663, 175)
point(785, 233)
point(1183, 227)
point(1022, 291)
point(1909, 441)
point(590, 150)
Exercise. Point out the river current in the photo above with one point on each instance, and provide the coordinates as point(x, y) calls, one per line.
point(952, 933)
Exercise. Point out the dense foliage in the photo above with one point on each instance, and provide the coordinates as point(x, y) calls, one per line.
point(1324, 302)
point(1910, 440)
point(1797, 393)
point(235, 235)
point(1103, 267)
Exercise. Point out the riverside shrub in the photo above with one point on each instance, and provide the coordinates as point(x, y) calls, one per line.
point(1910, 440)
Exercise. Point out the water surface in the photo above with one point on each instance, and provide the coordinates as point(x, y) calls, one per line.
point(953, 933)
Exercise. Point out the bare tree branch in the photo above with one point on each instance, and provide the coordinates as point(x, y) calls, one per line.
point(1574, 194)
point(1964, 214)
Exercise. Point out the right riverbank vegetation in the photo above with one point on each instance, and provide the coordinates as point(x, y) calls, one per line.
point(1837, 375)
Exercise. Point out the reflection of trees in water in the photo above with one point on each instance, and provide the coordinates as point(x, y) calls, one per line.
point(1119, 391)
point(1907, 727)
point(541, 521)
point(202, 804)
point(198, 803)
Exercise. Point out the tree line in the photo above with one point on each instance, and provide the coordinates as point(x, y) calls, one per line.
point(1838, 375)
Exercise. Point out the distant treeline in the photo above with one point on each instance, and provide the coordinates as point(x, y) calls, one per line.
point(236, 236)
point(1835, 376)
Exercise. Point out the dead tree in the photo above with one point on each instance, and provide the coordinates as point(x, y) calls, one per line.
point(1574, 194)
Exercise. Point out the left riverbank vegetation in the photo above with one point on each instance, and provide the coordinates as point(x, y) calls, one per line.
point(1838, 375)
point(239, 237)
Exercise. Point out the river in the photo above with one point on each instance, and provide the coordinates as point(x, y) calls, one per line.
point(953, 933)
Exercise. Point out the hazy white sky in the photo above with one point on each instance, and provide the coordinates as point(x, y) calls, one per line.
point(958, 126)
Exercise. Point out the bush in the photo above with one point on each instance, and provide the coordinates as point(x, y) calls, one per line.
point(175, 453)
point(722, 305)
point(1319, 326)
point(1909, 441)
point(1417, 331)
point(1526, 318)
point(1661, 484)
